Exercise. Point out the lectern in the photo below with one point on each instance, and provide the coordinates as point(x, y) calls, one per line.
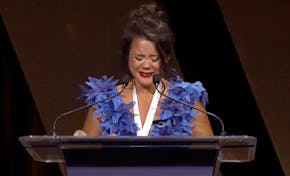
point(140, 156)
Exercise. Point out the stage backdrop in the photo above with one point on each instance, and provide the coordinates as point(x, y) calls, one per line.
point(260, 33)
point(59, 44)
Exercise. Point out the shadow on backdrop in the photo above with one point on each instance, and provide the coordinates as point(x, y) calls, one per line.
point(19, 116)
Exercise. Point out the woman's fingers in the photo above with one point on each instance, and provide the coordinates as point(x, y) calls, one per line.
point(80, 133)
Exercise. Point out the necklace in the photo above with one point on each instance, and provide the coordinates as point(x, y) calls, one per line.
point(144, 131)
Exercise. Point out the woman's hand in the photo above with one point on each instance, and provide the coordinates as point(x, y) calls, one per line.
point(80, 133)
point(112, 134)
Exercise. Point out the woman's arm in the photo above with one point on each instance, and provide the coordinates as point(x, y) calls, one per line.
point(90, 127)
point(91, 124)
point(201, 123)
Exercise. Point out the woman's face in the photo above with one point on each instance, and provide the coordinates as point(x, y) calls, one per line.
point(144, 61)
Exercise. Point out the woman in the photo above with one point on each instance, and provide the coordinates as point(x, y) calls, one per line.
point(147, 49)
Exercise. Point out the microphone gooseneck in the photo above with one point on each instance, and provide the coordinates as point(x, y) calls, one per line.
point(125, 82)
point(156, 82)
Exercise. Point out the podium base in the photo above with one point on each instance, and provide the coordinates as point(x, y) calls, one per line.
point(141, 171)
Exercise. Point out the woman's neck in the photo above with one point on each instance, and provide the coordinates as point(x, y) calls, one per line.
point(140, 89)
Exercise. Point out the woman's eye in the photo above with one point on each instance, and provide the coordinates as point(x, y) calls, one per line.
point(152, 58)
point(155, 59)
point(138, 58)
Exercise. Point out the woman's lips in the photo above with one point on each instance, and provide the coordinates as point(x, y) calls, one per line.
point(145, 74)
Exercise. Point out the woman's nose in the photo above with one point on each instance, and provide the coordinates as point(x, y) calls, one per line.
point(147, 63)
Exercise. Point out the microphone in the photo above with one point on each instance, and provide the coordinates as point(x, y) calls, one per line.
point(156, 82)
point(125, 82)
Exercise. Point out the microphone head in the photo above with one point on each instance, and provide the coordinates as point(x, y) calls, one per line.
point(156, 79)
point(125, 80)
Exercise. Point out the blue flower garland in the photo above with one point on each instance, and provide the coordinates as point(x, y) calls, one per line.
point(117, 119)
point(177, 117)
point(115, 115)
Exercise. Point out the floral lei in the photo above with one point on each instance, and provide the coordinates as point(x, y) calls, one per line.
point(117, 119)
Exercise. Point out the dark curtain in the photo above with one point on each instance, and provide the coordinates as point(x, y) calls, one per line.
point(19, 116)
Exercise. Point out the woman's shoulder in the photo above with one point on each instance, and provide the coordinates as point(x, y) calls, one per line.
point(177, 81)
point(193, 90)
point(95, 88)
point(101, 83)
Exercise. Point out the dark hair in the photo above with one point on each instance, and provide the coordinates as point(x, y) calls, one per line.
point(151, 22)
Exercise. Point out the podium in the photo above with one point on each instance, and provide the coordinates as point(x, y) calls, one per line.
point(140, 156)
